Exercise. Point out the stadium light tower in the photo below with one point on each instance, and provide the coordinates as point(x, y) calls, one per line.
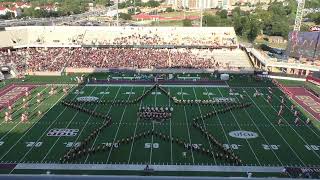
point(117, 12)
point(299, 15)
point(201, 12)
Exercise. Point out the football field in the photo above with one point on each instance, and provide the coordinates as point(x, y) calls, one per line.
point(250, 133)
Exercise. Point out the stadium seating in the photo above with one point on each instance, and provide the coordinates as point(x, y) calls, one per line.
point(51, 48)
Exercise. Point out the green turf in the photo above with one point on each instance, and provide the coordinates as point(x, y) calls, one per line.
point(275, 145)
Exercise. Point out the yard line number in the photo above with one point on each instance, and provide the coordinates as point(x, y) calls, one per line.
point(34, 144)
point(270, 146)
point(312, 147)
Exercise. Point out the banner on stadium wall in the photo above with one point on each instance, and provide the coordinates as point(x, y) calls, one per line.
point(304, 44)
point(314, 29)
point(312, 172)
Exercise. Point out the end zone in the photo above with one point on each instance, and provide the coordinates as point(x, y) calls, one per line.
point(307, 100)
point(11, 93)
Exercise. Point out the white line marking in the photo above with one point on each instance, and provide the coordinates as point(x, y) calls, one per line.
point(151, 149)
point(171, 157)
point(135, 130)
point(275, 129)
point(224, 132)
point(84, 127)
point(19, 121)
point(303, 108)
point(294, 130)
point(262, 134)
point(241, 129)
point(125, 108)
point(48, 127)
point(74, 116)
point(94, 142)
point(204, 125)
point(185, 115)
point(26, 133)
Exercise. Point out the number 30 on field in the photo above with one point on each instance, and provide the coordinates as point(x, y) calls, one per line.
point(33, 144)
point(270, 146)
point(149, 145)
point(312, 147)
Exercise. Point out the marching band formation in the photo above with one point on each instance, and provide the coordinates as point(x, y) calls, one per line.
point(154, 113)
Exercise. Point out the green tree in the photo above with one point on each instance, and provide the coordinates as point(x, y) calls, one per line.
point(215, 21)
point(8, 15)
point(312, 4)
point(277, 9)
point(314, 17)
point(153, 3)
point(241, 25)
point(223, 14)
point(187, 23)
point(253, 29)
point(169, 9)
point(125, 16)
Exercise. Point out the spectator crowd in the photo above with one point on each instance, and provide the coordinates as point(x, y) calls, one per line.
point(55, 59)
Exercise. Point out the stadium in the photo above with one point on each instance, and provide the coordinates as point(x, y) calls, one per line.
point(155, 101)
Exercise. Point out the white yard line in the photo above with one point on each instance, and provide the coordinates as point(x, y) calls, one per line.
point(171, 157)
point(241, 129)
point(74, 116)
point(185, 115)
point(115, 136)
point(28, 131)
point(224, 132)
point(135, 130)
point(261, 134)
point(84, 127)
point(151, 149)
point(19, 121)
point(294, 130)
point(204, 125)
point(95, 139)
point(275, 128)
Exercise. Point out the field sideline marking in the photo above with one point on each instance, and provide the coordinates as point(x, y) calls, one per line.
point(140, 167)
point(18, 118)
point(84, 126)
point(185, 115)
point(163, 85)
point(124, 111)
point(205, 127)
point(135, 130)
point(28, 131)
point(95, 139)
point(294, 130)
point(241, 130)
point(50, 124)
point(262, 134)
point(66, 127)
point(274, 128)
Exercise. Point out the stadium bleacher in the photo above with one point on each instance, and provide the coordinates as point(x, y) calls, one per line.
point(51, 49)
